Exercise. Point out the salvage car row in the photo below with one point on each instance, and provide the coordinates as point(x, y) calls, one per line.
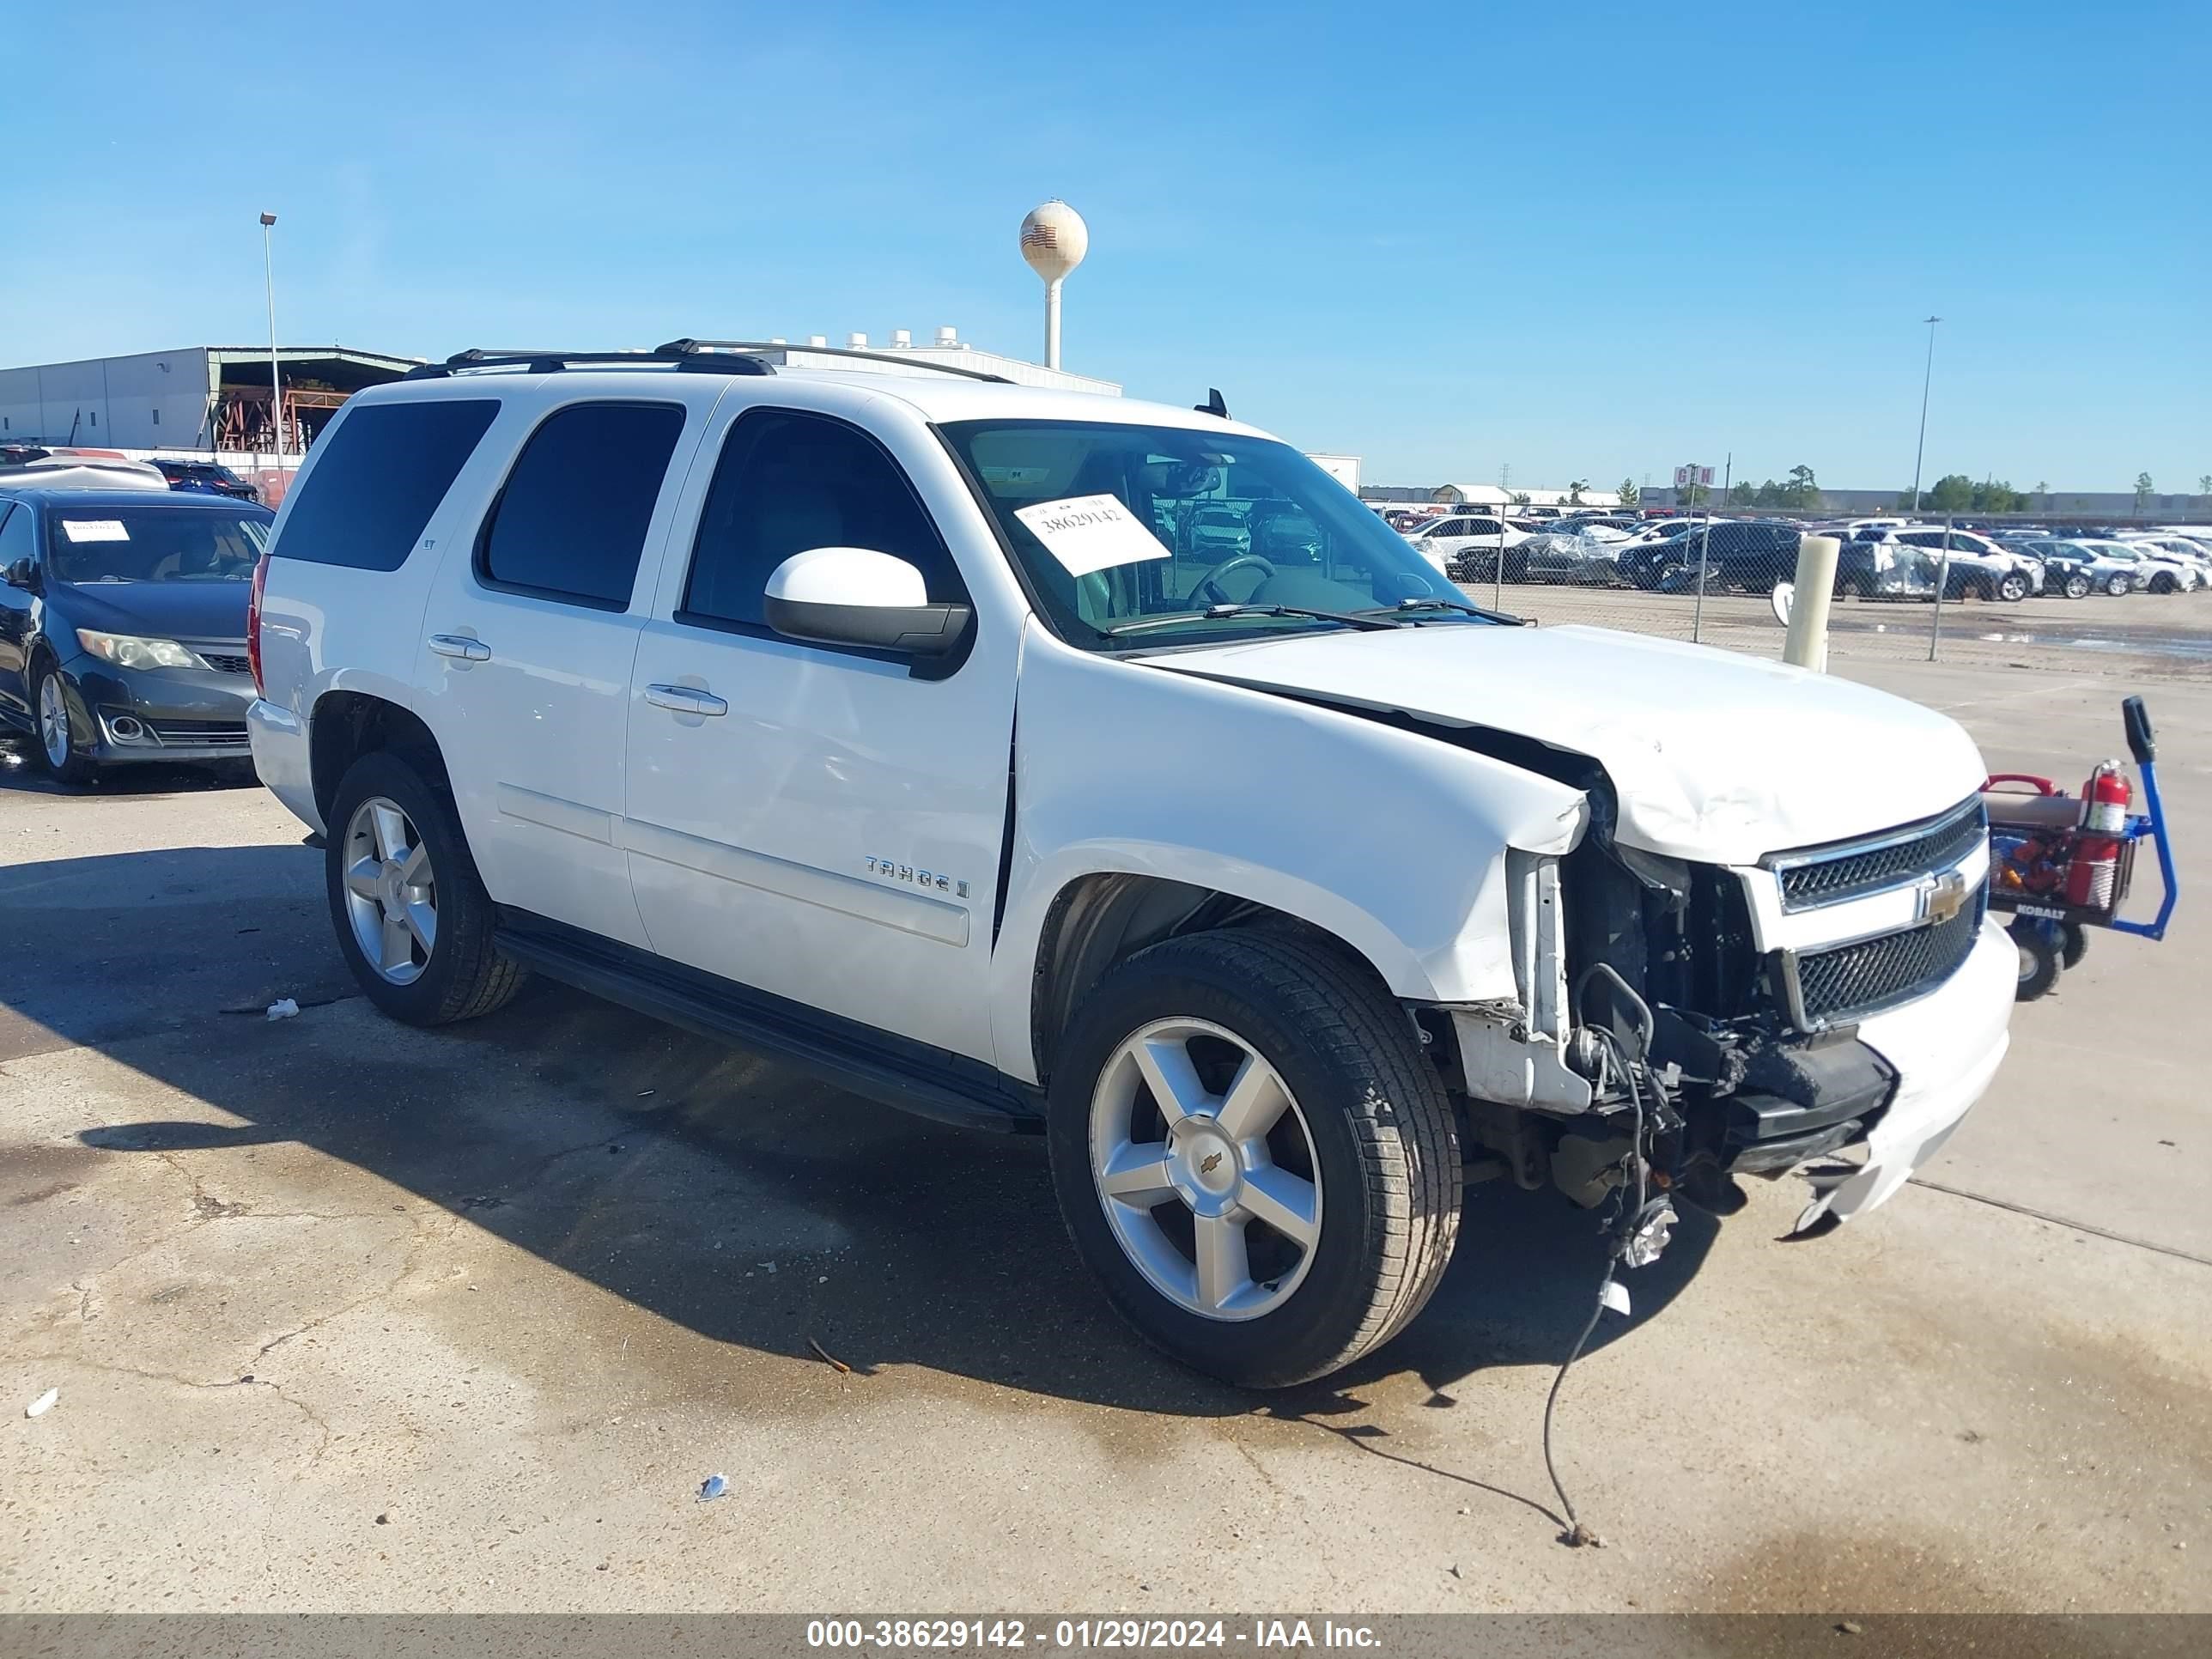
point(1880, 558)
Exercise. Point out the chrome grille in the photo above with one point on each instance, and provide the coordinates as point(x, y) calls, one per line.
point(1816, 876)
point(1850, 981)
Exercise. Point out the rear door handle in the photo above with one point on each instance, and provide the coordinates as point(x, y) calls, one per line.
point(685, 699)
point(457, 645)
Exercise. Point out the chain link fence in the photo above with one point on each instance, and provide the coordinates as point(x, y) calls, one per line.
point(2017, 594)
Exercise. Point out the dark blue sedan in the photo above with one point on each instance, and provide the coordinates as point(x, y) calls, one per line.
point(122, 625)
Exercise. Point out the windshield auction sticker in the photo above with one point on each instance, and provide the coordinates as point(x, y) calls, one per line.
point(94, 530)
point(1092, 532)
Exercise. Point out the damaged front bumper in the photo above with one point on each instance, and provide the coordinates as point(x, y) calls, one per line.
point(1946, 1048)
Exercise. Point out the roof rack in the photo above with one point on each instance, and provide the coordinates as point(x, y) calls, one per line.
point(705, 357)
point(547, 362)
point(688, 347)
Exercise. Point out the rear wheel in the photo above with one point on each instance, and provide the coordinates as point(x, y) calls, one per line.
point(57, 745)
point(2077, 587)
point(2118, 587)
point(1251, 1153)
point(413, 919)
point(2013, 588)
point(2073, 943)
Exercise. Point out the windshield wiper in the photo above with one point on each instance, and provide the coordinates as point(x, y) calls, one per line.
point(1461, 606)
point(1367, 620)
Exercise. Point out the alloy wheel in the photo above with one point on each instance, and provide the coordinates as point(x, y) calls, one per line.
point(1205, 1169)
point(392, 891)
point(53, 721)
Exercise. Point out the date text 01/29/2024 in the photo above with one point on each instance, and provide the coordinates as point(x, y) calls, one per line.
point(1263, 1635)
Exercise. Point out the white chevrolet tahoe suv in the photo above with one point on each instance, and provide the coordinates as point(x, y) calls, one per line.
point(896, 723)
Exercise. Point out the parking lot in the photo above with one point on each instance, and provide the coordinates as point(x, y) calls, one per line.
point(344, 1314)
point(2160, 636)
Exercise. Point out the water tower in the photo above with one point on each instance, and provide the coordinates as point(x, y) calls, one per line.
point(1054, 239)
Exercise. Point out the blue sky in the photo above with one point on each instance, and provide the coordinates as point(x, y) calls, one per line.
point(1580, 241)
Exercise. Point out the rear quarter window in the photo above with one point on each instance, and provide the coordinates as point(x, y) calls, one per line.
point(377, 479)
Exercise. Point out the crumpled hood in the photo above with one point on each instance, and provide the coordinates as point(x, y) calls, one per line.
point(1716, 757)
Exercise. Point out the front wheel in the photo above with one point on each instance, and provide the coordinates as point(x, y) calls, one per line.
point(414, 922)
point(2118, 587)
point(57, 739)
point(1252, 1155)
point(2164, 584)
point(2013, 588)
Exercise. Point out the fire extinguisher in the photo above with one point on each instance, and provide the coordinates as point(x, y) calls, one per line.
point(2094, 870)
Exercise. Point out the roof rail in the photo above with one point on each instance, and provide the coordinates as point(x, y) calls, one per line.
point(694, 350)
point(547, 362)
point(709, 356)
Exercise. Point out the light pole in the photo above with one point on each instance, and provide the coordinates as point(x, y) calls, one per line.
point(276, 375)
point(1927, 376)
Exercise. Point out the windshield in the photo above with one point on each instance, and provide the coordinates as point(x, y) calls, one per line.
point(1116, 525)
point(104, 543)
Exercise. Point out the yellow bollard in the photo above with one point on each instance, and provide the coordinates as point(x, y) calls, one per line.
point(1807, 642)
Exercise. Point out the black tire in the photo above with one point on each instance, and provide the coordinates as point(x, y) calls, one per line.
point(2074, 942)
point(2013, 588)
point(463, 976)
point(1385, 1147)
point(2163, 583)
point(76, 768)
point(2077, 587)
point(2040, 962)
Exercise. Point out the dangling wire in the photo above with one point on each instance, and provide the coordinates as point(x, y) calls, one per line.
point(1615, 1061)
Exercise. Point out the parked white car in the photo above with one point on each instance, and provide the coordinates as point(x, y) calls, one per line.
point(1978, 566)
point(2182, 549)
point(1466, 546)
point(865, 719)
point(2156, 571)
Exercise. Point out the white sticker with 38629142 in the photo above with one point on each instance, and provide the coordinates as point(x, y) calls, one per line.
point(94, 530)
point(1092, 532)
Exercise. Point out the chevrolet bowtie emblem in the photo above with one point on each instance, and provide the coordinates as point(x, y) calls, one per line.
point(1209, 1163)
point(1944, 897)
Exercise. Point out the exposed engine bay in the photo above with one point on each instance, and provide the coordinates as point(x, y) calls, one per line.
point(1655, 1046)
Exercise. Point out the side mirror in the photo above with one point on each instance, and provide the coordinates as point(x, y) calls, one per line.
point(851, 596)
point(23, 574)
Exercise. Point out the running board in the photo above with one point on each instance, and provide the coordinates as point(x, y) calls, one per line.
point(913, 1077)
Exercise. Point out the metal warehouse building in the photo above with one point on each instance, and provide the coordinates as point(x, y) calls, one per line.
point(197, 398)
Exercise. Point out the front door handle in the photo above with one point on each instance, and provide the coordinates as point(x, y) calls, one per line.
point(460, 646)
point(685, 699)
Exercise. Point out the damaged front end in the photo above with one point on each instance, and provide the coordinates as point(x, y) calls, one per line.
point(1678, 1024)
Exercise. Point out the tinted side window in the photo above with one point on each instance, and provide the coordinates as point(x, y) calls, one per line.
point(379, 477)
point(788, 482)
point(570, 521)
